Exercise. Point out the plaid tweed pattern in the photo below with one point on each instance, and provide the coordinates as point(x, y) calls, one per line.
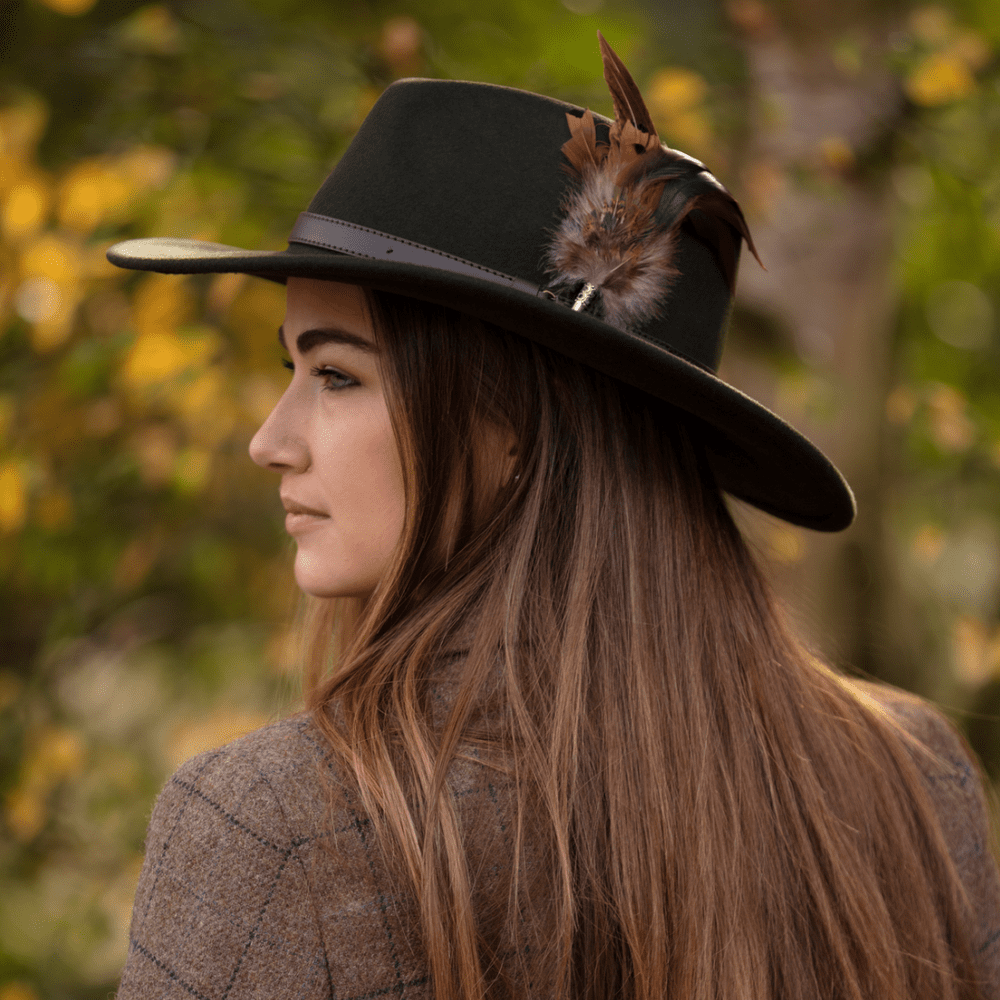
point(262, 878)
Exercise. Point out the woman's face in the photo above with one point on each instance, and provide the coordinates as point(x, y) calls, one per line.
point(330, 438)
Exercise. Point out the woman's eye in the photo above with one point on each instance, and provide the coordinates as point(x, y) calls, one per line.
point(332, 378)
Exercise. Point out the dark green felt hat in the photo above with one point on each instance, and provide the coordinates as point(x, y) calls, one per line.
point(467, 195)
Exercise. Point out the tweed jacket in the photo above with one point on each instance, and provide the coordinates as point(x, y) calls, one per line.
point(263, 881)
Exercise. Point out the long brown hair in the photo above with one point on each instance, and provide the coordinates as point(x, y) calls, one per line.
point(701, 810)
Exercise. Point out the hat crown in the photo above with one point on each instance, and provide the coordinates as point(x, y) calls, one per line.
point(476, 171)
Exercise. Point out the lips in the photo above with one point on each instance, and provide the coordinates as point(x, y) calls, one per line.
point(299, 517)
point(294, 507)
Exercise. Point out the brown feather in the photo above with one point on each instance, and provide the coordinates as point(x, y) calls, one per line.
point(628, 102)
point(582, 149)
point(656, 158)
point(621, 222)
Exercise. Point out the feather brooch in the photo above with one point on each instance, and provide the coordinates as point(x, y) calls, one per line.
point(613, 254)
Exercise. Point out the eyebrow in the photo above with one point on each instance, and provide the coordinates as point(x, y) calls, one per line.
point(310, 339)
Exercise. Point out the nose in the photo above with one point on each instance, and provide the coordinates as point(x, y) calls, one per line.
point(279, 445)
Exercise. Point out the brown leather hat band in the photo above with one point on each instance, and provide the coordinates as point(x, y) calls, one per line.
point(350, 238)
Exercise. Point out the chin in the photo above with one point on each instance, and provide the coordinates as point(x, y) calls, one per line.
point(320, 581)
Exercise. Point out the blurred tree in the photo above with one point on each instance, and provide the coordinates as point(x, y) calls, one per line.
point(871, 165)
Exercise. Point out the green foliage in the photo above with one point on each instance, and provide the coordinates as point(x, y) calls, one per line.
point(944, 446)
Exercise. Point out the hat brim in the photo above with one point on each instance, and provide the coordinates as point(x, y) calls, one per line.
point(756, 456)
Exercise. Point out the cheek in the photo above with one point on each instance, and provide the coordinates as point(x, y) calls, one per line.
point(383, 498)
point(363, 481)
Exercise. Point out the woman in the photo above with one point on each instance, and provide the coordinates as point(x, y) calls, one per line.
point(565, 745)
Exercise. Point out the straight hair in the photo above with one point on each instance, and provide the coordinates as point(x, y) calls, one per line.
point(701, 809)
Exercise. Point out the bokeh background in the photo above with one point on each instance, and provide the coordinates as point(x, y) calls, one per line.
point(147, 606)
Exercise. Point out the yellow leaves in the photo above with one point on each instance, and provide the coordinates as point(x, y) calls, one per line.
point(25, 813)
point(152, 28)
point(50, 291)
point(204, 407)
point(939, 79)
point(56, 754)
point(785, 543)
point(162, 460)
point(836, 154)
point(900, 405)
point(161, 304)
point(927, 545)
point(53, 271)
point(21, 126)
point(148, 167)
point(975, 650)
point(90, 193)
point(52, 257)
point(949, 423)
point(59, 754)
point(52, 505)
point(55, 267)
point(223, 726)
point(71, 8)
point(13, 497)
point(675, 98)
point(947, 72)
point(951, 428)
point(25, 208)
point(159, 355)
point(103, 190)
point(17, 991)
point(675, 89)
point(172, 369)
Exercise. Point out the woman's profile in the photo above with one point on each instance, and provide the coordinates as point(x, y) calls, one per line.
point(559, 741)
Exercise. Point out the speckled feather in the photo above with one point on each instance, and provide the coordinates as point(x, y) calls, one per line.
point(619, 230)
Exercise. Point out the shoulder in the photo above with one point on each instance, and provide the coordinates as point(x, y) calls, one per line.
point(268, 780)
point(942, 756)
point(218, 903)
point(956, 790)
point(261, 880)
point(941, 750)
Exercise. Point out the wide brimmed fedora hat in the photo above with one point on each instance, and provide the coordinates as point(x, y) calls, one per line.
point(583, 234)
